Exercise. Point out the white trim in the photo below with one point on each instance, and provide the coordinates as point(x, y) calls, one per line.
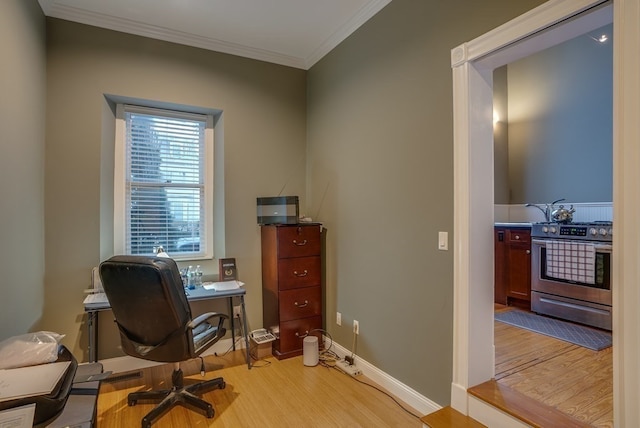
point(408, 395)
point(121, 217)
point(369, 10)
point(491, 417)
point(160, 33)
point(470, 202)
point(83, 16)
point(119, 166)
point(626, 197)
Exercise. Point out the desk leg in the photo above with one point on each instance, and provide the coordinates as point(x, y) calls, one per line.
point(92, 317)
point(233, 324)
point(245, 332)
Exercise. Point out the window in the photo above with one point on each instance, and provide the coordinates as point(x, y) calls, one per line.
point(163, 182)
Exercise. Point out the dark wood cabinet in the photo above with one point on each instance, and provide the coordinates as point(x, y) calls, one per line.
point(291, 285)
point(513, 266)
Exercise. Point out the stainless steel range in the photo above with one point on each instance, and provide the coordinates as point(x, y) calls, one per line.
point(571, 271)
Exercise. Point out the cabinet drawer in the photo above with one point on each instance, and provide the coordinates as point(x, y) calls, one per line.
point(298, 241)
point(518, 235)
point(300, 303)
point(298, 272)
point(292, 333)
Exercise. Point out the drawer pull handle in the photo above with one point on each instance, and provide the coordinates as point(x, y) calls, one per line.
point(517, 236)
point(301, 243)
point(305, 273)
point(306, 333)
point(306, 303)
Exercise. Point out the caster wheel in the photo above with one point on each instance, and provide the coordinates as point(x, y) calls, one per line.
point(223, 385)
point(132, 402)
point(210, 412)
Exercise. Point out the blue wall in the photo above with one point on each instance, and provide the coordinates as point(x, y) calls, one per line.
point(560, 133)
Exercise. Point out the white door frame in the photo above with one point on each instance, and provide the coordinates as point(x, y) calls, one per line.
point(473, 63)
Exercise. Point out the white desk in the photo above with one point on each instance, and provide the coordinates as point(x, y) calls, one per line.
point(199, 293)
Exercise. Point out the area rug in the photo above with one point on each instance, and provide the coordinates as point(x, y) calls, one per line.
point(569, 332)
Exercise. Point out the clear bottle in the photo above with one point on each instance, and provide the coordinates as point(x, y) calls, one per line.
point(198, 276)
point(191, 278)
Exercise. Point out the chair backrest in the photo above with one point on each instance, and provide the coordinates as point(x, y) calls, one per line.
point(150, 307)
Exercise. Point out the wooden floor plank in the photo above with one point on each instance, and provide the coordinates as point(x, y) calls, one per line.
point(516, 404)
point(280, 394)
point(569, 378)
point(447, 417)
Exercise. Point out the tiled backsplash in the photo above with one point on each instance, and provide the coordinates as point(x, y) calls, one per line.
point(585, 212)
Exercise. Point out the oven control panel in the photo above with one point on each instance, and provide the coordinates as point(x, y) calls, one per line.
point(598, 231)
point(573, 231)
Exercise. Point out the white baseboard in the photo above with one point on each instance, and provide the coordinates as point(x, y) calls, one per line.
point(410, 396)
point(414, 399)
point(459, 398)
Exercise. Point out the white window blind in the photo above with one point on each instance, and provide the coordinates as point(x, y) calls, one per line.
point(165, 186)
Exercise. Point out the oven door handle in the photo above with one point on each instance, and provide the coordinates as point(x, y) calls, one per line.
point(602, 248)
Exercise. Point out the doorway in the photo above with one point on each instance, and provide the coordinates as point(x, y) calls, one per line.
point(553, 138)
point(472, 64)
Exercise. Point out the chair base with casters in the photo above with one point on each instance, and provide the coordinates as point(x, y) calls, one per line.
point(178, 394)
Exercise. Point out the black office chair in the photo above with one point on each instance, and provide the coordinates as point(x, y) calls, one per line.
point(151, 310)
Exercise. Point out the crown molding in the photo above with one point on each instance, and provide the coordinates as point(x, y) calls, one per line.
point(55, 10)
point(366, 13)
point(51, 9)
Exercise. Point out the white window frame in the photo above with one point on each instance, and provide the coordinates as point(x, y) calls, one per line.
point(120, 167)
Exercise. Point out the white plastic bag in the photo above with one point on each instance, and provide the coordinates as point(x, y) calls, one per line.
point(29, 349)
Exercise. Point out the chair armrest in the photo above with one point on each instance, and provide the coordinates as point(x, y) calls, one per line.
point(207, 316)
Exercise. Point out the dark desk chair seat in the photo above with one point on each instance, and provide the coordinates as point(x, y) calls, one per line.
point(153, 315)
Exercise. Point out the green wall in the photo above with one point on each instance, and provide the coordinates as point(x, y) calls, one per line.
point(263, 144)
point(380, 175)
point(22, 137)
point(364, 138)
point(561, 122)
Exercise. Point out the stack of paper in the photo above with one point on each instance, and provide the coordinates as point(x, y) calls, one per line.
point(31, 381)
point(95, 298)
point(224, 285)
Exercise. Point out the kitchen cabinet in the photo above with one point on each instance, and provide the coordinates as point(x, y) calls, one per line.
point(291, 285)
point(513, 266)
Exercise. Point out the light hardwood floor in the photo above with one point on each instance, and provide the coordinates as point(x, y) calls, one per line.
point(574, 380)
point(272, 394)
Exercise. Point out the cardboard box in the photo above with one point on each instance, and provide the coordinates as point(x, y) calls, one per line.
point(278, 210)
point(260, 351)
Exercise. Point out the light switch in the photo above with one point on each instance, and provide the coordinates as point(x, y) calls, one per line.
point(443, 241)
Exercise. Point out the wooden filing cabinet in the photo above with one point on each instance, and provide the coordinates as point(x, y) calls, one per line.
point(291, 285)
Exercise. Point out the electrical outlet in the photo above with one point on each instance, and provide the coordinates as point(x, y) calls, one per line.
point(356, 327)
point(338, 318)
point(237, 311)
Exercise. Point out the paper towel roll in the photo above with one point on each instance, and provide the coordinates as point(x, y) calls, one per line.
point(310, 351)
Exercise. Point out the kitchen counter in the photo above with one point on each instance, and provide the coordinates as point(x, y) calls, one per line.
point(512, 224)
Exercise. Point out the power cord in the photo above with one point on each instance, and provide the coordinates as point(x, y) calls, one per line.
point(253, 354)
point(351, 359)
point(382, 391)
point(240, 337)
point(326, 357)
point(202, 368)
point(252, 349)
